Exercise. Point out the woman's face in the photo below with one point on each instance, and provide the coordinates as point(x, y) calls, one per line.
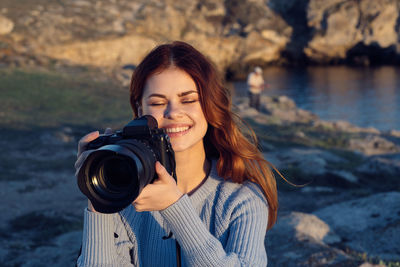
point(171, 97)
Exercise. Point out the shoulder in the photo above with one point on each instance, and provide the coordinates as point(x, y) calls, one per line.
point(234, 202)
point(235, 196)
point(245, 192)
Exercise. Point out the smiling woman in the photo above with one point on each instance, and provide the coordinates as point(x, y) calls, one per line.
point(172, 98)
point(225, 195)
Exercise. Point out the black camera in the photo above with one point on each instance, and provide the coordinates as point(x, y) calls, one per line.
point(121, 164)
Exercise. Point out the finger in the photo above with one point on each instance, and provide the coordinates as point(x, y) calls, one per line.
point(108, 131)
point(85, 140)
point(160, 169)
point(137, 207)
point(81, 158)
point(145, 193)
point(163, 175)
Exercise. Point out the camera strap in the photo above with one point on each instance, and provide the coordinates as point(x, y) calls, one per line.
point(178, 254)
point(178, 249)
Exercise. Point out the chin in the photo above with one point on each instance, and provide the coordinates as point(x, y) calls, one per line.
point(184, 147)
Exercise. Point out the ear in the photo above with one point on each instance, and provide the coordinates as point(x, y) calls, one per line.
point(139, 109)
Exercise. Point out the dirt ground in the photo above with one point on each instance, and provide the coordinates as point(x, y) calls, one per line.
point(41, 205)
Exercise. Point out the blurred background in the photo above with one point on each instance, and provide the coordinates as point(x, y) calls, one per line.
point(330, 116)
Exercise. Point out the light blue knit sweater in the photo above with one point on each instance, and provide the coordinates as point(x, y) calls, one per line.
point(221, 224)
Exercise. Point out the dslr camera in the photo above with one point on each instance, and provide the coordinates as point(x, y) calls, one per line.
point(121, 164)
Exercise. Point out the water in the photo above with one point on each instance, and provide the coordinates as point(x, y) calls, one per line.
point(367, 97)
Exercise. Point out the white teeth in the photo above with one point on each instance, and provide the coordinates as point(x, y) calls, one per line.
point(177, 129)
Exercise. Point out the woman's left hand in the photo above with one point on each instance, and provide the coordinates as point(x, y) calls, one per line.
point(160, 194)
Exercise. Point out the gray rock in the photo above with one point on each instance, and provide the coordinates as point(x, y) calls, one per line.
point(394, 133)
point(338, 26)
point(345, 175)
point(343, 126)
point(235, 34)
point(63, 252)
point(381, 165)
point(370, 224)
point(300, 239)
point(285, 109)
point(311, 161)
point(317, 189)
point(3, 254)
point(373, 145)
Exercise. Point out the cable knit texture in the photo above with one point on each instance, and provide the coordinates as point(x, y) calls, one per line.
point(221, 224)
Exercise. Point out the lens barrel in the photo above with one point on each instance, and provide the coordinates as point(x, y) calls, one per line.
point(114, 175)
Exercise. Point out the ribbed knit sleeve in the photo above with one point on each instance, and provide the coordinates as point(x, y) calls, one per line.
point(104, 243)
point(247, 229)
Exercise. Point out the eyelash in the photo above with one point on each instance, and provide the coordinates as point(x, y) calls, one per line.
point(189, 101)
point(184, 102)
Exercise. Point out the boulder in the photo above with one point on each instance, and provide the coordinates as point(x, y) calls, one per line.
point(382, 165)
point(300, 239)
point(394, 133)
point(103, 53)
point(373, 145)
point(285, 109)
point(370, 224)
point(342, 29)
point(310, 161)
point(62, 252)
point(344, 126)
point(236, 35)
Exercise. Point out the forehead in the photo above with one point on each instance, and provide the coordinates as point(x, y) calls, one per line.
point(169, 82)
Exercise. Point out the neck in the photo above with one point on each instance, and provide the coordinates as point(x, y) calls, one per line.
point(191, 169)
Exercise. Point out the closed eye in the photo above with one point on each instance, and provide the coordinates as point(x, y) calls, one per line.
point(157, 104)
point(189, 101)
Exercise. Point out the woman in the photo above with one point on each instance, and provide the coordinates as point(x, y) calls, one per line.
point(225, 196)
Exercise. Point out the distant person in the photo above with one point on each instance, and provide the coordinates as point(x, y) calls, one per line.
point(225, 197)
point(256, 85)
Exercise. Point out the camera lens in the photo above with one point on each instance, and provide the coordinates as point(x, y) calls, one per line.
point(117, 172)
point(114, 175)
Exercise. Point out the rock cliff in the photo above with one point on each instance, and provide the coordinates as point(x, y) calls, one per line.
point(236, 34)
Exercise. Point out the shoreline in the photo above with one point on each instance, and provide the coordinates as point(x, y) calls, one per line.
point(366, 98)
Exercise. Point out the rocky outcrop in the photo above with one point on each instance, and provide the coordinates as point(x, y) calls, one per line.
point(337, 234)
point(370, 224)
point(280, 109)
point(236, 35)
point(327, 155)
point(362, 32)
point(302, 239)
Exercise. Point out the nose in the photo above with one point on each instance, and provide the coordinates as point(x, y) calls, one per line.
point(173, 111)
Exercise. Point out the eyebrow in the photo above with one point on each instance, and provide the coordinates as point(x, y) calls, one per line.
point(180, 95)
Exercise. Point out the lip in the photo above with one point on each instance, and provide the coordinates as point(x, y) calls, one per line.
point(176, 130)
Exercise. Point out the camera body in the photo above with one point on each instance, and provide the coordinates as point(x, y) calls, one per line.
point(120, 165)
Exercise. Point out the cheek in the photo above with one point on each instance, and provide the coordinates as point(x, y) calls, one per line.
point(156, 113)
point(200, 118)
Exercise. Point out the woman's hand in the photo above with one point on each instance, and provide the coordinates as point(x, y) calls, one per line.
point(83, 153)
point(159, 195)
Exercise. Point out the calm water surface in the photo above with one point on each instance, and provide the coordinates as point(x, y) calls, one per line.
point(367, 97)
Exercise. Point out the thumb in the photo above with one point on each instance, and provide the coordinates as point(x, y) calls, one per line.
point(161, 171)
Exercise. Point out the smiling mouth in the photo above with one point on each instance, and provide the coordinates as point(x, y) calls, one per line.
point(176, 130)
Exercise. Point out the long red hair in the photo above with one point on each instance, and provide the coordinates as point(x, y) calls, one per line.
point(239, 159)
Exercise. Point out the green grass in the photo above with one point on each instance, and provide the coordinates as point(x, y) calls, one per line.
point(40, 99)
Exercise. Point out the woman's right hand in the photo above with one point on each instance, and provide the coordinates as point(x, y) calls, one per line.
point(83, 153)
